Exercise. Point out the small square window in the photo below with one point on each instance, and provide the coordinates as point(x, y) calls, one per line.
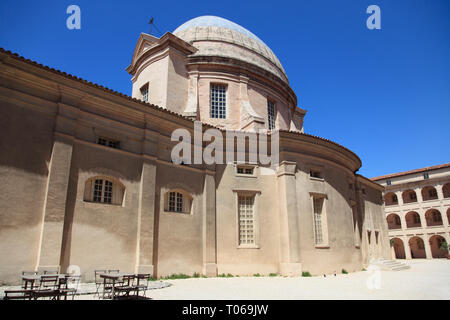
point(109, 143)
point(426, 176)
point(244, 170)
point(388, 182)
point(315, 174)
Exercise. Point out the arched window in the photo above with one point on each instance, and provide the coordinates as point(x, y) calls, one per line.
point(429, 193)
point(177, 201)
point(393, 221)
point(433, 217)
point(446, 190)
point(390, 199)
point(412, 220)
point(104, 190)
point(409, 196)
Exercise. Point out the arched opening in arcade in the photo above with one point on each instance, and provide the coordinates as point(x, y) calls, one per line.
point(399, 248)
point(436, 245)
point(417, 247)
point(412, 220)
point(429, 193)
point(390, 199)
point(409, 196)
point(394, 221)
point(433, 218)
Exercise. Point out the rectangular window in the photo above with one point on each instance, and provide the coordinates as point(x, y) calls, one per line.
point(271, 114)
point(172, 201)
point(426, 176)
point(144, 92)
point(109, 143)
point(315, 174)
point(388, 182)
point(98, 188)
point(246, 220)
point(218, 101)
point(175, 202)
point(179, 202)
point(244, 170)
point(318, 235)
point(107, 196)
point(103, 191)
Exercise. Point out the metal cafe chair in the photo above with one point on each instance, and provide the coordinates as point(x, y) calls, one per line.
point(25, 294)
point(69, 286)
point(143, 281)
point(116, 271)
point(98, 280)
point(126, 286)
point(29, 283)
point(51, 271)
point(48, 287)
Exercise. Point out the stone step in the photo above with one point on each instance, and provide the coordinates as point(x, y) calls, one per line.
point(392, 265)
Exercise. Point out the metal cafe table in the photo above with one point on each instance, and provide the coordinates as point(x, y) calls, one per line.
point(110, 280)
point(31, 279)
point(49, 286)
point(125, 281)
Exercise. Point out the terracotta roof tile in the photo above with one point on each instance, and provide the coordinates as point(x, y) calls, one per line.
point(399, 174)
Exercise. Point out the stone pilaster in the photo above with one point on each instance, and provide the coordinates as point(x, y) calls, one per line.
point(146, 216)
point(49, 256)
point(290, 264)
point(192, 101)
point(209, 225)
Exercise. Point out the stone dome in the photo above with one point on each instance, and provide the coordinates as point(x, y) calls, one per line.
point(206, 31)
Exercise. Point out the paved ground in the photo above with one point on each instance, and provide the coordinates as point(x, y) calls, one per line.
point(427, 279)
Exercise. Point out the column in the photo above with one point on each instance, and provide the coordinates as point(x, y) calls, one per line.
point(403, 220)
point(418, 194)
point(209, 225)
point(439, 191)
point(407, 248)
point(290, 264)
point(49, 254)
point(423, 221)
point(399, 198)
point(426, 243)
point(146, 216)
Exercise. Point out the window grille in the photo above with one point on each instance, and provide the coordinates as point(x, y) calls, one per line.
point(318, 220)
point(271, 114)
point(218, 101)
point(246, 220)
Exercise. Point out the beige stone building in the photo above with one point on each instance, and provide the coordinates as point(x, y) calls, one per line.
point(87, 177)
point(417, 208)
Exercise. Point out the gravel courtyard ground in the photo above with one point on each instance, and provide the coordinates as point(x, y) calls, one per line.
point(427, 279)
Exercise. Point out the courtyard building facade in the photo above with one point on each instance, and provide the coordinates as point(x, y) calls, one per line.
point(417, 209)
point(88, 179)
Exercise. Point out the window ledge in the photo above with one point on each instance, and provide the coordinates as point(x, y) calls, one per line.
point(95, 203)
point(177, 213)
point(322, 246)
point(317, 179)
point(247, 247)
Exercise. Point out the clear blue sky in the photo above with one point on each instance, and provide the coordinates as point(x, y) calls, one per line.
point(384, 94)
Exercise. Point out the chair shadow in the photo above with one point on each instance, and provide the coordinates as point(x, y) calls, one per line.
point(132, 297)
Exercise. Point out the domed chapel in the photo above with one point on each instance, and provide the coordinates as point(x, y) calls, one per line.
point(88, 177)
